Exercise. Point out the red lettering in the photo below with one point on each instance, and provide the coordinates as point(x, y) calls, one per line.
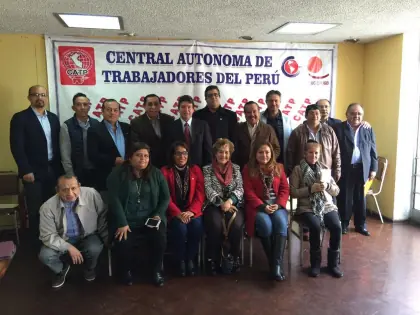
point(308, 101)
point(261, 101)
point(286, 112)
point(137, 111)
point(163, 99)
point(227, 106)
point(174, 111)
point(230, 101)
point(142, 99)
point(175, 104)
point(240, 106)
point(297, 118)
point(178, 98)
point(245, 100)
point(97, 114)
point(124, 101)
point(99, 106)
point(288, 106)
point(130, 118)
point(103, 99)
point(239, 112)
point(291, 101)
point(301, 112)
point(197, 99)
point(139, 105)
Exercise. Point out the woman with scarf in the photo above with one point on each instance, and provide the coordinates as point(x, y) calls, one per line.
point(312, 184)
point(224, 192)
point(266, 195)
point(186, 186)
point(138, 192)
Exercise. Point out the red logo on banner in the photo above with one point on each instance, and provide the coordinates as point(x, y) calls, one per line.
point(77, 65)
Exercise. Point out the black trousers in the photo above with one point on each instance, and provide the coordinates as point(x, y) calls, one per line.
point(212, 217)
point(87, 177)
point(36, 194)
point(155, 239)
point(351, 199)
point(332, 223)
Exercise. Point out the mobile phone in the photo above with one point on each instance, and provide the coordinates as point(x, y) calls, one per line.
point(153, 223)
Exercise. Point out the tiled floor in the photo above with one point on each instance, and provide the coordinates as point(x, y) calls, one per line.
point(382, 276)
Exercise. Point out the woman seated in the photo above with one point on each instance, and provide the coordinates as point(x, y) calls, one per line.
point(224, 192)
point(138, 199)
point(312, 184)
point(266, 195)
point(186, 186)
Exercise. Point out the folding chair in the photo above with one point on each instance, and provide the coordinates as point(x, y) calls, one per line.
point(380, 177)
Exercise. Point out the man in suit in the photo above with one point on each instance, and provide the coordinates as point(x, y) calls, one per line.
point(34, 143)
point(73, 142)
point(108, 143)
point(194, 132)
point(359, 162)
point(152, 128)
point(222, 122)
point(281, 124)
point(250, 132)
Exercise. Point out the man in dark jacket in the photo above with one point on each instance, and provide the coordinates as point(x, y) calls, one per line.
point(73, 142)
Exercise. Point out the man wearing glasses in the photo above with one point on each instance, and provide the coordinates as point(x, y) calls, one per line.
point(73, 142)
point(34, 143)
point(222, 121)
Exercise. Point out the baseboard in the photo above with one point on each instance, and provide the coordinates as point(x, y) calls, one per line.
point(375, 215)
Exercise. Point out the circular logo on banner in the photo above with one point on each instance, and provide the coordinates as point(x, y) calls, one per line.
point(314, 67)
point(77, 63)
point(290, 67)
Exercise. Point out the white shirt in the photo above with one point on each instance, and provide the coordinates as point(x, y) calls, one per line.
point(312, 135)
point(189, 124)
point(356, 157)
point(251, 129)
point(46, 127)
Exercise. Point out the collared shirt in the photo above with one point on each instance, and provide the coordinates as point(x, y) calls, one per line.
point(252, 130)
point(356, 157)
point(314, 135)
point(45, 124)
point(189, 125)
point(74, 226)
point(117, 136)
point(156, 125)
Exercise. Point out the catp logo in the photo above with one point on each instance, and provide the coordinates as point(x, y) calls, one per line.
point(77, 65)
point(290, 67)
point(314, 68)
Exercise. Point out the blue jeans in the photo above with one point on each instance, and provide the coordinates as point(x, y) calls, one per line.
point(269, 224)
point(90, 247)
point(185, 238)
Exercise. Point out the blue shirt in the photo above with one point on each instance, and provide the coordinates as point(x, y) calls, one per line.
point(355, 158)
point(45, 124)
point(73, 222)
point(117, 136)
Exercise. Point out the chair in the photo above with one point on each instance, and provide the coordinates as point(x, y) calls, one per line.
point(380, 177)
point(9, 198)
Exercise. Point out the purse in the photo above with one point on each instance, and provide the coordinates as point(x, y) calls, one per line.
point(227, 260)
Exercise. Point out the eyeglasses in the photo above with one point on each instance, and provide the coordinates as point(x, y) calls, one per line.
point(38, 94)
point(183, 153)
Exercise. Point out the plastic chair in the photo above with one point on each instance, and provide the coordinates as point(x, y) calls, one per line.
point(380, 177)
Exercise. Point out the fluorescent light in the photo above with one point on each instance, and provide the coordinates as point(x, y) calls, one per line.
point(91, 21)
point(303, 28)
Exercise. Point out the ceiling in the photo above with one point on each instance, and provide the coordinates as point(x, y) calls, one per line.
point(367, 20)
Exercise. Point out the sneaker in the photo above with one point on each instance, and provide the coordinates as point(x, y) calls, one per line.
point(90, 275)
point(60, 278)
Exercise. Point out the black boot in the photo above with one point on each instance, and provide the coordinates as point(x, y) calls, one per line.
point(315, 263)
point(266, 244)
point(279, 245)
point(333, 268)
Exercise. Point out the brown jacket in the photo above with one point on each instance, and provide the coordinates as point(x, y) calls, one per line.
point(330, 152)
point(264, 132)
point(299, 190)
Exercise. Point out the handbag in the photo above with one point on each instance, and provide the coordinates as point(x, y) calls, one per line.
point(227, 260)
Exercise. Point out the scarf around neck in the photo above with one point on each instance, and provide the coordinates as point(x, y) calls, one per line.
point(223, 176)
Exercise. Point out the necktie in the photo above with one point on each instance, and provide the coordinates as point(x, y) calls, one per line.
point(187, 134)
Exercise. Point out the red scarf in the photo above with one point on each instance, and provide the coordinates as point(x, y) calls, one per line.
point(224, 176)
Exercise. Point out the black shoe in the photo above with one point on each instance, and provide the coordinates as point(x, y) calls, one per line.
point(182, 269)
point(236, 265)
point(211, 267)
point(191, 268)
point(60, 278)
point(333, 268)
point(279, 245)
point(315, 257)
point(344, 230)
point(158, 279)
point(90, 275)
point(362, 231)
point(126, 278)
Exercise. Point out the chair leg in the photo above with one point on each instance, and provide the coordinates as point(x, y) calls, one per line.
point(301, 244)
point(109, 262)
point(250, 251)
point(289, 248)
point(379, 209)
point(16, 227)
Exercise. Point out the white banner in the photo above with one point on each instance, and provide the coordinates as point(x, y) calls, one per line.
point(128, 71)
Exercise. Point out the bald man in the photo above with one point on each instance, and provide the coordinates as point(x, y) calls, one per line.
point(324, 106)
point(35, 146)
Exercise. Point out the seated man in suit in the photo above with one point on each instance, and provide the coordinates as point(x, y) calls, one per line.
point(73, 229)
point(359, 162)
point(194, 132)
point(250, 132)
point(152, 128)
point(108, 143)
point(34, 142)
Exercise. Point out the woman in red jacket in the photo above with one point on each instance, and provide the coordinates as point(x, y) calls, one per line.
point(186, 187)
point(266, 194)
